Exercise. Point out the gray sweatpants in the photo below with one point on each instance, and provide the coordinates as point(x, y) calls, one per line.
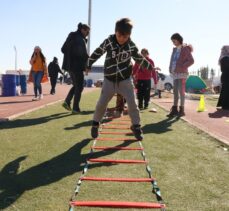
point(124, 88)
point(179, 89)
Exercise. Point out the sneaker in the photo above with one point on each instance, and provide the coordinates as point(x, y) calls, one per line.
point(95, 129)
point(66, 106)
point(137, 132)
point(35, 99)
point(41, 96)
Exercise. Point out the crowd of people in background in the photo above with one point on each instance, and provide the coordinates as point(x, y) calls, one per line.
point(121, 77)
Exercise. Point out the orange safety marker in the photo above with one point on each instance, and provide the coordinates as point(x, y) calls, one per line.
point(118, 148)
point(121, 204)
point(118, 179)
point(115, 139)
point(116, 161)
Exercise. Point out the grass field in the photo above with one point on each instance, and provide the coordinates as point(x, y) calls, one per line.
point(43, 154)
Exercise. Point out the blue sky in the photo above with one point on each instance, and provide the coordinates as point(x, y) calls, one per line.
point(47, 23)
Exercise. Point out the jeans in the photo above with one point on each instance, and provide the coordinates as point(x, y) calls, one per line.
point(179, 91)
point(37, 77)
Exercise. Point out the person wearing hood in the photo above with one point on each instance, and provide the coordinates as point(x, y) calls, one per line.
point(74, 62)
point(53, 70)
point(181, 59)
point(224, 66)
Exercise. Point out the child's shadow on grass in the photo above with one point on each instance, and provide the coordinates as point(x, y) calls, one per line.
point(84, 124)
point(14, 184)
point(79, 125)
point(30, 122)
point(159, 127)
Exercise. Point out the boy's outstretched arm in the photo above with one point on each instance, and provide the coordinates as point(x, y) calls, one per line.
point(96, 55)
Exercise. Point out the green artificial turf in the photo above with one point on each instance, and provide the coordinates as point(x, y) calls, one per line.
point(43, 154)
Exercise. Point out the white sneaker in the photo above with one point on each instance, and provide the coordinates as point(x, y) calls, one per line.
point(35, 99)
point(41, 96)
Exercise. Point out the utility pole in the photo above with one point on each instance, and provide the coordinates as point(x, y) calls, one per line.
point(89, 23)
point(15, 50)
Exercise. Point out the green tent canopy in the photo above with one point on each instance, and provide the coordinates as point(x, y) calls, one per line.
point(195, 83)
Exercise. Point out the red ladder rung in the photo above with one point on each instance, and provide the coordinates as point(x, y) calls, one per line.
point(121, 204)
point(118, 148)
point(115, 127)
point(116, 161)
point(116, 133)
point(118, 179)
point(117, 123)
point(115, 139)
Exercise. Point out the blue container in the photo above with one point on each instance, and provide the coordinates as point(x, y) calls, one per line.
point(23, 83)
point(8, 85)
point(89, 82)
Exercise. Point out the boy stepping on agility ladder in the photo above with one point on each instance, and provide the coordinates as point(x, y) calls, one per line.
point(119, 49)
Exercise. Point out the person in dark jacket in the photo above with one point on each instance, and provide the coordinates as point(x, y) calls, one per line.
point(224, 65)
point(54, 69)
point(119, 49)
point(74, 62)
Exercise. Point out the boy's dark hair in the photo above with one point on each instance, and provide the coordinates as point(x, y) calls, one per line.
point(124, 26)
point(177, 37)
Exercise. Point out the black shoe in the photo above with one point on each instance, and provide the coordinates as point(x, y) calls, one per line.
point(95, 129)
point(181, 111)
point(140, 107)
point(173, 112)
point(66, 106)
point(137, 132)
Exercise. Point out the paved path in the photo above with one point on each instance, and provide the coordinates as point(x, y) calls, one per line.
point(212, 121)
point(12, 107)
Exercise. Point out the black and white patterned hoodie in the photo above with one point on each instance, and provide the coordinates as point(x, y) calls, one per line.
point(118, 65)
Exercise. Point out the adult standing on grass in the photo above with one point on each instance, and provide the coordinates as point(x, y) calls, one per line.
point(38, 72)
point(224, 65)
point(181, 59)
point(54, 69)
point(74, 62)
